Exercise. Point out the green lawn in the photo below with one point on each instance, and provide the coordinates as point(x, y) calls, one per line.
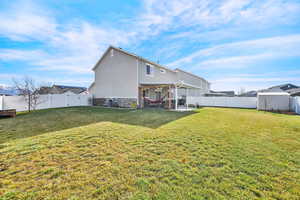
point(96, 153)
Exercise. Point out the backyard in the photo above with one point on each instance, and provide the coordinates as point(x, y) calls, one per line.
point(100, 153)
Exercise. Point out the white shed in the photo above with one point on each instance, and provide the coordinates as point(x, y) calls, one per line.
point(273, 101)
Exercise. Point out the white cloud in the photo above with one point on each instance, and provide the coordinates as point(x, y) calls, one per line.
point(272, 12)
point(44, 79)
point(3, 86)
point(194, 22)
point(234, 62)
point(26, 27)
point(255, 81)
point(81, 65)
point(8, 77)
point(25, 21)
point(75, 46)
point(22, 55)
point(163, 14)
point(47, 62)
point(251, 83)
point(240, 54)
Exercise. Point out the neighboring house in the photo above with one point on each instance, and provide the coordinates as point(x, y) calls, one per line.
point(252, 93)
point(127, 80)
point(61, 89)
point(220, 94)
point(294, 92)
point(6, 93)
point(280, 88)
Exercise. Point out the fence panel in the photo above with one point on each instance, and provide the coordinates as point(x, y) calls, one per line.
point(15, 102)
point(85, 99)
point(73, 100)
point(58, 101)
point(43, 102)
point(232, 102)
point(1, 102)
point(46, 101)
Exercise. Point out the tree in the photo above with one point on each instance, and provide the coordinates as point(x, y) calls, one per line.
point(241, 91)
point(29, 90)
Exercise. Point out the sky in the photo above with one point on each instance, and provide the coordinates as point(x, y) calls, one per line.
point(234, 44)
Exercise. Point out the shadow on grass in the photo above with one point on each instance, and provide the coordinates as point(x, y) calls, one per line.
point(43, 121)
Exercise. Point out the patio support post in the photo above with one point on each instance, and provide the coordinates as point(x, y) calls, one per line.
point(169, 96)
point(176, 98)
point(186, 98)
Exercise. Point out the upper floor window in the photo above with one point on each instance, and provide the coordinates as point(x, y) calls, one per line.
point(149, 70)
point(111, 52)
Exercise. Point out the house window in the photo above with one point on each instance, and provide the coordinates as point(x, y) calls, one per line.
point(149, 70)
point(112, 53)
point(163, 71)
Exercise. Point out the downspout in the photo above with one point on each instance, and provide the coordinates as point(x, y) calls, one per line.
point(137, 82)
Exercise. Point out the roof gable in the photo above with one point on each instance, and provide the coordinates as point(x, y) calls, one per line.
point(143, 59)
point(130, 54)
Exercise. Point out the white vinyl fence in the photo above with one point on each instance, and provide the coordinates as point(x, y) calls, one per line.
point(1, 102)
point(45, 101)
point(295, 104)
point(231, 102)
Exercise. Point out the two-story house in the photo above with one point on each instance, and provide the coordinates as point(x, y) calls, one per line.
point(126, 80)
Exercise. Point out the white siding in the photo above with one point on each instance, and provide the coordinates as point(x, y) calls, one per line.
point(192, 92)
point(119, 75)
point(116, 77)
point(193, 80)
point(157, 77)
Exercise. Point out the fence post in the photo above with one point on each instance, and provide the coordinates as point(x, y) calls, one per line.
point(49, 100)
point(186, 98)
point(67, 100)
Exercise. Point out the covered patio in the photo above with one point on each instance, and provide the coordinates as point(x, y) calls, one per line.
point(165, 95)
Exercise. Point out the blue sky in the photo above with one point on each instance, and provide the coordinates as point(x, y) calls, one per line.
point(232, 43)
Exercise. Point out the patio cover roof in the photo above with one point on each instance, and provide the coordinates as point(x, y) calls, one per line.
point(180, 84)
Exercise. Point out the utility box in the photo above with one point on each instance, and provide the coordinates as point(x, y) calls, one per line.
point(275, 101)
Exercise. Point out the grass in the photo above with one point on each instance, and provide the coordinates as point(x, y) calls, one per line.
point(97, 153)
